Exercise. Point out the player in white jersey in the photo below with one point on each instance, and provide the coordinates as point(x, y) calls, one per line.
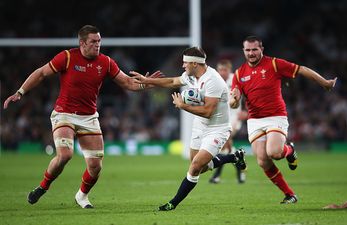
point(211, 126)
point(224, 68)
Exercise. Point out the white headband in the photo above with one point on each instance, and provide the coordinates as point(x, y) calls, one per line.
point(187, 58)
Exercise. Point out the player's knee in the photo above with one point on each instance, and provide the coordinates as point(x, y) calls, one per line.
point(195, 168)
point(64, 157)
point(94, 168)
point(264, 164)
point(275, 153)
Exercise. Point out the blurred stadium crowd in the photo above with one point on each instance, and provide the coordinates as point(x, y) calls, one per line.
point(309, 33)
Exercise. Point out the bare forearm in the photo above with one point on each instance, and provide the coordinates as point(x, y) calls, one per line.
point(33, 80)
point(166, 82)
point(197, 110)
point(313, 75)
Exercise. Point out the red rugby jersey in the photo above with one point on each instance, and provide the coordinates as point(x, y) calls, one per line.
point(261, 86)
point(80, 80)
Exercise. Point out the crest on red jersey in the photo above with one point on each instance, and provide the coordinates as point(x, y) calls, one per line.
point(99, 68)
point(263, 74)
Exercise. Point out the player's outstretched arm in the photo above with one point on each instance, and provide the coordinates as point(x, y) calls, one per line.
point(34, 79)
point(166, 82)
point(313, 75)
point(132, 84)
point(335, 206)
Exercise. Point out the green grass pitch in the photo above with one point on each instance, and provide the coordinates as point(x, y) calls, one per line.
point(132, 187)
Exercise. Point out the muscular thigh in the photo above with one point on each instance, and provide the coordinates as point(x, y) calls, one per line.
point(91, 142)
point(259, 150)
point(275, 142)
point(193, 153)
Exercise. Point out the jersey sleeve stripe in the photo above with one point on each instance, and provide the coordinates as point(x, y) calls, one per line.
point(274, 64)
point(114, 75)
point(237, 75)
point(109, 65)
point(52, 67)
point(67, 59)
point(296, 70)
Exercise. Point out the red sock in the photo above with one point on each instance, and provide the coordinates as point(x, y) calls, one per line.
point(87, 182)
point(287, 150)
point(276, 177)
point(47, 180)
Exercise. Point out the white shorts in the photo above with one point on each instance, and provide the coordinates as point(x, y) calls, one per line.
point(81, 124)
point(260, 127)
point(209, 139)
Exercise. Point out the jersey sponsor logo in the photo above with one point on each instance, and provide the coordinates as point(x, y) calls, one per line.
point(80, 68)
point(89, 65)
point(246, 78)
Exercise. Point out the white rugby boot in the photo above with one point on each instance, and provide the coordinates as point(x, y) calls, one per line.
point(82, 200)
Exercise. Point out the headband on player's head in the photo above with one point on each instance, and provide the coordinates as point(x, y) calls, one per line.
point(188, 58)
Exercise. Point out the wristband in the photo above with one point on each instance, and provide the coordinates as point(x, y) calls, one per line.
point(21, 91)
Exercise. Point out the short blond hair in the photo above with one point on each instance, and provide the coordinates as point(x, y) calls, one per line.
point(225, 63)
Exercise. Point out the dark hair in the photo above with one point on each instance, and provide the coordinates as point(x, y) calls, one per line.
point(85, 30)
point(195, 51)
point(253, 39)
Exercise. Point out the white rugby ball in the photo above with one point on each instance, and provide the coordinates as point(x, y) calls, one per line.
point(191, 96)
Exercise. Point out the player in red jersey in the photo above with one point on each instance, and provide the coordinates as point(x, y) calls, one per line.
point(82, 71)
point(259, 80)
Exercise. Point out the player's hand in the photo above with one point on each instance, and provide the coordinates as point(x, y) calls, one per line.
point(235, 94)
point(156, 74)
point(138, 77)
point(332, 206)
point(13, 98)
point(141, 79)
point(330, 84)
point(177, 100)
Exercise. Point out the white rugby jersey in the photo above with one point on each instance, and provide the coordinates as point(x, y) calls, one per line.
point(211, 84)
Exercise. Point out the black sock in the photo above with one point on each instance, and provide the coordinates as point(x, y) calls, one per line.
point(220, 159)
point(183, 191)
point(217, 171)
